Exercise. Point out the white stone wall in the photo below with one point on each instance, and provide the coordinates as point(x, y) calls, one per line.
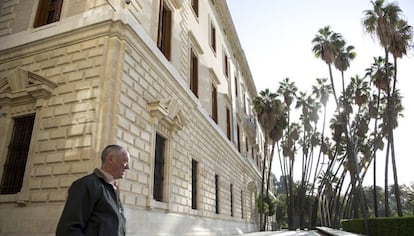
point(107, 70)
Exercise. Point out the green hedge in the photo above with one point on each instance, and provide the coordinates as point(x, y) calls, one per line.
point(381, 226)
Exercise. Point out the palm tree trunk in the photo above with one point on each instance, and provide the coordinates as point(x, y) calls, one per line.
point(394, 165)
point(261, 211)
point(375, 155)
point(333, 86)
point(386, 201)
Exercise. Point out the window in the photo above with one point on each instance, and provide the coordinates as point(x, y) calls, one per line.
point(214, 103)
point(164, 30)
point(226, 65)
point(216, 181)
point(194, 73)
point(194, 5)
point(238, 138)
point(235, 87)
point(244, 103)
point(231, 200)
point(18, 150)
point(213, 37)
point(247, 145)
point(228, 122)
point(158, 192)
point(48, 11)
point(241, 203)
point(194, 173)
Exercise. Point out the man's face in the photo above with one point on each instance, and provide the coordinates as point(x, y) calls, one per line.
point(119, 163)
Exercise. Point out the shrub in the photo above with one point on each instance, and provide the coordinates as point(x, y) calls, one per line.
point(381, 226)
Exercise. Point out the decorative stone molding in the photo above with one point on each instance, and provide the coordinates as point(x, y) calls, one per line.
point(195, 43)
point(250, 126)
point(177, 3)
point(169, 112)
point(22, 87)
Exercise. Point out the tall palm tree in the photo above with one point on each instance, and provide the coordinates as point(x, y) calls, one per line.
point(345, 55)
point(321, 91)
point(264, 107)
point(327, 45)
point(377, 74)
point(287, 89)
point(394, 34)
point(401, 40)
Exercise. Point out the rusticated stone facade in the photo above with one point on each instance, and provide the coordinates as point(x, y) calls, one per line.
point(95, 77)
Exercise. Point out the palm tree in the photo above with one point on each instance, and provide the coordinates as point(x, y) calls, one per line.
point(287, 90)
point(321, 91)
point(345, 55)
point(327, 45)
point(377, 74)
point(394, 35)
point(265, 106)
point(400, 42)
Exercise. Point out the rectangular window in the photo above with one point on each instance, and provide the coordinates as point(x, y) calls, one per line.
point(244, 103)
point(213, 37)
point(194, 173)
point(216, 180)
point(231, 200)
point(48, 11)
point(241, 203)
point(194, 73)
point(194, 5)
point(226, 65)
point(159, 168)
point(238, 138)
point(18, 151)
point(247, 145)
point(236, 90)
point(214, 103)
point(165, 30)
point(228, 122)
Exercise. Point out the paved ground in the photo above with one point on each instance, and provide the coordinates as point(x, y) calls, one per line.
point(323, 231)
point(285, 233)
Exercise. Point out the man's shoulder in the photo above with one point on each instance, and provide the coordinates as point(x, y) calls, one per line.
point(88, 179)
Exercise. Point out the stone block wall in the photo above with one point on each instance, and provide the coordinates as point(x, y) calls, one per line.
point(106, 75)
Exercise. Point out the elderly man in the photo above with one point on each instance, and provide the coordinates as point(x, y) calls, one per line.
point(93, 206)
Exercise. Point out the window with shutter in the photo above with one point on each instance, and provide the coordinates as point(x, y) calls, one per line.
point(214, 103)
point(194, 173)
point(165, 30)
point(158, 192)
point(216, 180)
point(194, 73)
point(18, 150)
point(48, 11)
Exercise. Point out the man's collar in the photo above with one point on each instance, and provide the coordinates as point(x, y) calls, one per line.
point(108, 178)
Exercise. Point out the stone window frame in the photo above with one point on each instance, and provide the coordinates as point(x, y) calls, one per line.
point(167, 118)
point(22, 93)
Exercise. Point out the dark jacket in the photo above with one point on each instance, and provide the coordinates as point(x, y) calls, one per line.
point(92, 209)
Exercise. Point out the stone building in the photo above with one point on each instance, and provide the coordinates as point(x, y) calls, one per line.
point(167, 79)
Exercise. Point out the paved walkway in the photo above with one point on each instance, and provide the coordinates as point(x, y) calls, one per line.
point(284, 233)
point(326, 231)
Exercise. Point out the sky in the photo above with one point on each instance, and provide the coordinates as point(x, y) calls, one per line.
point(276, 38)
